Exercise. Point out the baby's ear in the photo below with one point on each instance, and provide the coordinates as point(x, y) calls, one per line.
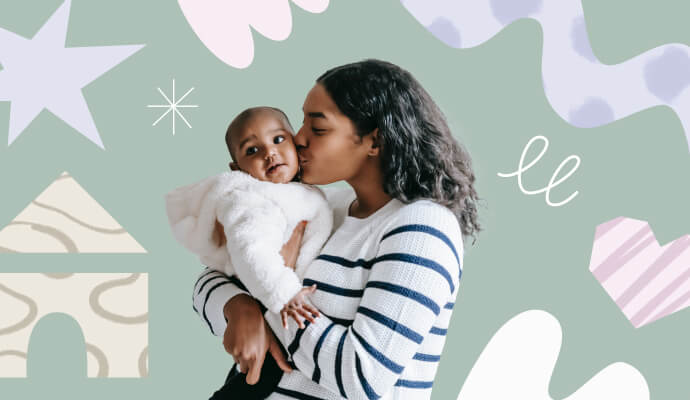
point(233, 166)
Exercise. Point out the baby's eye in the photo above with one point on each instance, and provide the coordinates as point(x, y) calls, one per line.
point(278, 139)
point(250, 152)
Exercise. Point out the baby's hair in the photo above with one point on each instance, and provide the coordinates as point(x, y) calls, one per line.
point(242, 118)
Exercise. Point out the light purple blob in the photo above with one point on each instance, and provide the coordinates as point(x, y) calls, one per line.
point(669, 74)
point(580, 40)
point(595, 112)
point(445, 30)
point(507, 11)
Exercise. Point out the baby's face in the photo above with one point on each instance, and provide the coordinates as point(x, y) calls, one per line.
point(264, 148)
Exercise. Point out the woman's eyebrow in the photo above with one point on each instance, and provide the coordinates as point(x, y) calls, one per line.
point(316, 115)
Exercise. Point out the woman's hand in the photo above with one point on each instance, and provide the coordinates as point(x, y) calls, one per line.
point(290, 250)
point(218, 235)
point(247, 337)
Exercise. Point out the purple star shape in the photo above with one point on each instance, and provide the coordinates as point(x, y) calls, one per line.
point(42, 73)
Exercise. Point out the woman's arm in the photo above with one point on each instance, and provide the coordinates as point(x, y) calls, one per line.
point(212, 291)
point(415, 273)
point(228, 309)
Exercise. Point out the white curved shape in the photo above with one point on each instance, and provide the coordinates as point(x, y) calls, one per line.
point(518, 362)
point(224, 26)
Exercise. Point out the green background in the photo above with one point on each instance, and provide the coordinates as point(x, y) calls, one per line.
point(530, 256)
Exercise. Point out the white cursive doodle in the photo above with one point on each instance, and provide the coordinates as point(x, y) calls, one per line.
point(551, 184)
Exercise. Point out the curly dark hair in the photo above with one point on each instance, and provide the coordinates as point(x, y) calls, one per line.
point(420, 159)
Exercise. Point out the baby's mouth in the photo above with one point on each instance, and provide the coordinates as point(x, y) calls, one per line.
point(273, 168)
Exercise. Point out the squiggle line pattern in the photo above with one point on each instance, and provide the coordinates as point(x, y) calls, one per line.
point(64, 218)
point(581, 89)
point(111, 309)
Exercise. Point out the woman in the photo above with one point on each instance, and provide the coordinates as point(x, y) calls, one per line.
point(388, 276)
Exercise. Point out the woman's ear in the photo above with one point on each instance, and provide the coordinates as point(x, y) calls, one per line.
point(375, 144)
point(233, 166)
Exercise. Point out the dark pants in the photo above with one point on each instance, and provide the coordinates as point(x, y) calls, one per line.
point(236, 386)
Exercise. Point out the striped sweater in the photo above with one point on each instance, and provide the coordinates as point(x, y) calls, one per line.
point(386, 285)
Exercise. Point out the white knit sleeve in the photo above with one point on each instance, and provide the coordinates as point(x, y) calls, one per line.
point(212, 290)
point(416, 271)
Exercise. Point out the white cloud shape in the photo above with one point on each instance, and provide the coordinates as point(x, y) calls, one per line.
point(518, 362)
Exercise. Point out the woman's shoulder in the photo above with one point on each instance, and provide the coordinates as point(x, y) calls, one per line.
point(428, 215)
point(424, 209)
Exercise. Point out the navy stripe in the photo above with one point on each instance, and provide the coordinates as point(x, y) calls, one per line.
point(424, 229)
point(366, 264)
point(392, 324)
point(316, 377)
point(407, 292)
point(292, 348)
point(201, 288)
point(414, 384)
point(449, 306)
point(208, 294)
point(365, 385)
point(238, 283)
point(339, 365)
point(421, 261)
point(397, 368)
point(295, 395)
point(210, 271)
point(427, 357)
point(438, 331)
point(325, 287)
point(209, 280)
point(341, 321)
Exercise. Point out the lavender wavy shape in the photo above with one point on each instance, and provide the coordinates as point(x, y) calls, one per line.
point(580, 88)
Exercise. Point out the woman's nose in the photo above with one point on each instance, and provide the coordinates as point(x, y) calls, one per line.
point(300, 138)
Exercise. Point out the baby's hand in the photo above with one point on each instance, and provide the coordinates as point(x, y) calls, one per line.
point(297, 306)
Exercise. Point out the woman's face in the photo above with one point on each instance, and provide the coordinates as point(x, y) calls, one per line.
point(327, 143)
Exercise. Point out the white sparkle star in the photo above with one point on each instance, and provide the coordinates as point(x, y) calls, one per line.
point(173, 106)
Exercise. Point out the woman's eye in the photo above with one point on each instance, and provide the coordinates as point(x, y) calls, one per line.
point(278, 139)
point(317, 131)
point(250, 152)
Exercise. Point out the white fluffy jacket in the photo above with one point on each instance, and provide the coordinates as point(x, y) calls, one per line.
point(258, 218)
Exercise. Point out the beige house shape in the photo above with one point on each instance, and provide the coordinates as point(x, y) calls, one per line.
point(110, 308)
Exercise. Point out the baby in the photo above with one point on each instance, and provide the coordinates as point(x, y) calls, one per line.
point(258, 205)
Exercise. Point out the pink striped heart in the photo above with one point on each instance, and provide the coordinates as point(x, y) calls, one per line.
point(647, 281)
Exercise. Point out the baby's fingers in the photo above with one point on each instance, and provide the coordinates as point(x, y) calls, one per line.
point(311, 309)
point(283, 318)
point(296, 317)
point(304, 313)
